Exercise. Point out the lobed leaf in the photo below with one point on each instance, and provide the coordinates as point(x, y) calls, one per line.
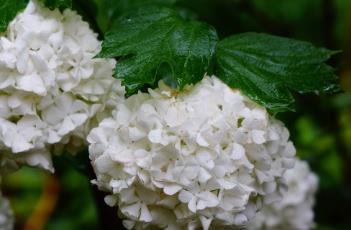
point(268, 68)
point(154, 43)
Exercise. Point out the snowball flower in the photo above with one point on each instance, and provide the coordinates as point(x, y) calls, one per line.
point(52, 90)
point(205, 157)
point(6, 215)
point(295, 211)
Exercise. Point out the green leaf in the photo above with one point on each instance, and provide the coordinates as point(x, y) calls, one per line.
point(58, 4)
point(267, 68)
point(156, 41)
point(9, 10)
point(110, 10)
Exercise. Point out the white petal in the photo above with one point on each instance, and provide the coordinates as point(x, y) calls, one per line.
point(240, 219)
point(136, 134)
point(289, 150)
point(204, 175)
point(132, 210)
point(145, 214)
point(209, 199)
point(172, 189)
point(205, 222)
point(110, 200)
point(201, 141)
point(32, 83)
point(40, 158)
point(192, 205)
point(155, 136)
point(238, 151)
point(185, 196)
point(19, 143)
point(258, 136)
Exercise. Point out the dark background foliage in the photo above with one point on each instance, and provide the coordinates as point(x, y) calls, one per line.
point(320, 128)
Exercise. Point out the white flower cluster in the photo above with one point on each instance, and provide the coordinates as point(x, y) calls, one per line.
point(205, 157)
point(295, 211)
point(51, 87)
point(6, 214)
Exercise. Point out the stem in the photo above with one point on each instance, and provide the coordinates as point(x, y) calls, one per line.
point(46, 204)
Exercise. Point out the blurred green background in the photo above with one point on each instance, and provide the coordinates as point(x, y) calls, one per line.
point(320, 129)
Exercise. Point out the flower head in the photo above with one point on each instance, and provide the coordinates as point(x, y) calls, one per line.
point(52, 87)
point(204, 157)
point(295, 210)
